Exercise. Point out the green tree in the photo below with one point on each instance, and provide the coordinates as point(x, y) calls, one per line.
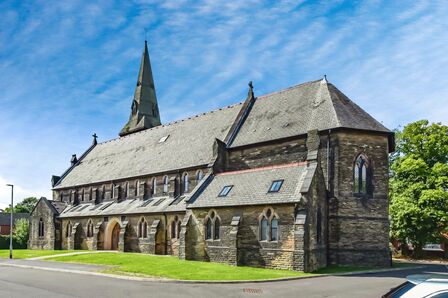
point(21, 231)
point(25, 206)
point(419, 184)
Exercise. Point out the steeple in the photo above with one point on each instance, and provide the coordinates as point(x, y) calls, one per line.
point(144, 108)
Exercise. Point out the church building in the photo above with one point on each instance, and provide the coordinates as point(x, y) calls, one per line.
point(295, 179)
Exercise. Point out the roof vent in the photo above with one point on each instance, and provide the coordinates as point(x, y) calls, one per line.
point(163, 139)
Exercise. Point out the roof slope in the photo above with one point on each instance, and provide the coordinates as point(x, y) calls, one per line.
point(5, 218)
point(189, 143)
point(250, 187)
point(296, 110)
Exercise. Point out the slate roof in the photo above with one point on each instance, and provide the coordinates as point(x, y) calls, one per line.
point(189, 144)
point(250, 187)
point(136, 206)
point(5, 217)
point(296, 110)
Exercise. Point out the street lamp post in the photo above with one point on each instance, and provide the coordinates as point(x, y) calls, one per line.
point(12, 211)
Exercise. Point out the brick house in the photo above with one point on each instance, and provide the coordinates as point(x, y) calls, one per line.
point(296, 179)
point(5, 221)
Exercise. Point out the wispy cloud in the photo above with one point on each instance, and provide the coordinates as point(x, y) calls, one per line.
point(68, 68)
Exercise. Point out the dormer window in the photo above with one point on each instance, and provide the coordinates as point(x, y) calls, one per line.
point(275, 186)
point(225, 191)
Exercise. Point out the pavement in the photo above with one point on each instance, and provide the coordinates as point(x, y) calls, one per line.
point(36, 278)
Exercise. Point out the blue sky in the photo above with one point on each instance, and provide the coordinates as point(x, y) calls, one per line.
point(68, 68)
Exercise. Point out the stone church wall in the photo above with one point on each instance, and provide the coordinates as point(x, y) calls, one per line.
point(359, 226)
point(51, 238)
point(250, 250)
point(266, 155)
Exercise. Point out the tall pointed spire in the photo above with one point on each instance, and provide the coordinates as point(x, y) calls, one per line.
point(144, 108)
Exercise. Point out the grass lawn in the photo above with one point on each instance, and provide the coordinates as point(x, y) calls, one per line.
point(172, 267)
point(28, 253)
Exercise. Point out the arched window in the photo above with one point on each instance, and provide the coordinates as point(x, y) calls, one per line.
point(68, 232)
point(89, 228)
point(154, 185)
point(175, 228)
point(208, 232)
point(199, 175)
point(217, 228)
point(212, 226)
point(360, 173)
point(264, 229)
point(142, 228)
point(318, 225)
point(274, 229)
point(269, 226)
point(166, 183)
point(41, 227)
point(186, 183)
point(178, 228)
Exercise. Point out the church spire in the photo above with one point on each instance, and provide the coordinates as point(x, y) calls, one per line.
point(144, 108)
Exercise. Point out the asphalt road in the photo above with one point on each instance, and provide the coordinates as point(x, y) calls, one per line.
point(21, 282)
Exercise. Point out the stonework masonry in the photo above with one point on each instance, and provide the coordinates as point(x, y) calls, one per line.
point(296, 179)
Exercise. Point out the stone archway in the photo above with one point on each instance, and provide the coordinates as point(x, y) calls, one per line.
point(115, 237)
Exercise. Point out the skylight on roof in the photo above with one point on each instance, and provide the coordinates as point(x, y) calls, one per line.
point(225, 191)
point(276, 185)
point(163, 139)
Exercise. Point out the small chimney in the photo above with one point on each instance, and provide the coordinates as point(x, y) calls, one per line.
point(74, 160)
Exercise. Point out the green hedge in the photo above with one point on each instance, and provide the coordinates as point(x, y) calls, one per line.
point(4, 243)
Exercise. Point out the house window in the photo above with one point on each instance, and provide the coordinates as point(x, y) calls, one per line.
point(225, 191)
point(186, 182)
point(142, 228)
point(199, 175)
point(212, 227)
point(41, 227)
point(166, 184)
point(154, 186)
point(269, 226)
point(360, 171)
point(275, 186)
point(90, 229)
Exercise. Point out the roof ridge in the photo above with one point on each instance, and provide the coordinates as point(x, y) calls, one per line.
point(326, 83)
point(287, 89)
point(173, 122)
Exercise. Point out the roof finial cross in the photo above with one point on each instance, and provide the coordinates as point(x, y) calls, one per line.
point(251, 90)
point(94, 139)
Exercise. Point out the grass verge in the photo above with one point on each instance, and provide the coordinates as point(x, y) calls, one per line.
point(172, 267)
point(31, 253)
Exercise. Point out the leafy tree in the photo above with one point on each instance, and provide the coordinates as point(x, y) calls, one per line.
point(21, 231)
point(25, 206)
point(419, 184)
